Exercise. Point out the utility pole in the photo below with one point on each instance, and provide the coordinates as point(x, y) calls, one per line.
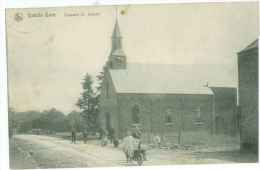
point(239, 121)
point(180, 124)
point(213, 129)
point(151, 121)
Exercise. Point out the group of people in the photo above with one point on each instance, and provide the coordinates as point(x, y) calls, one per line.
point(130, 143)
point(109, 136)
point(104, 136)
point(74, 135)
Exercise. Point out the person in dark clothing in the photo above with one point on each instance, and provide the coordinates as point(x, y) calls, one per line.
point(101, 133)
point(111, 135)
point(85, 135)
point(73, 136)
point(115, 142)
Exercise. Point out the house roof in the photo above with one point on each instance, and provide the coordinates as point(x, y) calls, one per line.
point(251, 46)
point(223, 84)
point(168, 79)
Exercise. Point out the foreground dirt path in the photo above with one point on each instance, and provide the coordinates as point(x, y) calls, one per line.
point(51, 152)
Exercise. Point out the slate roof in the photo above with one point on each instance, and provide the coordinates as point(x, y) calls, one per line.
point(169, 79)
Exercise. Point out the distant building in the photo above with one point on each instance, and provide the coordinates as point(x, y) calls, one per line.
point(248, 95)
point(161, 99)
point(225, 108)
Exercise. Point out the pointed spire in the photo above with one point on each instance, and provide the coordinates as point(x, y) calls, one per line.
point(116, 38)
point(116, 32)
point(117, 57)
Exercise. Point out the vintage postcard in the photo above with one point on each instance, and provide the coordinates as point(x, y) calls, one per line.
point(133, 85)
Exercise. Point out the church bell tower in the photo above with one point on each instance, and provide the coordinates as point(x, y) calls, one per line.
point(117, 57)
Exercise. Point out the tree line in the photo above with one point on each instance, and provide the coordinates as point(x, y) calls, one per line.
point(53, 120)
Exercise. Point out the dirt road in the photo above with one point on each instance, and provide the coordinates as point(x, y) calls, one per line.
point(51, 152)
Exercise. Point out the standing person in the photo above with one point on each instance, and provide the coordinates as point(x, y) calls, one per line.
point(137, 134)
point(104, 140)
point(73, 135)
point(157, 140)
point(116, 142)
point(101, 133)
point(85, 135)
point(111, 134)
point(128, 146)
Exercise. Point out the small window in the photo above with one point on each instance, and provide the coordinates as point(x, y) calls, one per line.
point(198, 112)
point(136, 114)
point(198, 119)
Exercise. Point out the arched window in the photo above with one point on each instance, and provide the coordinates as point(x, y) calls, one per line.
point(136, 114)
point(168, 116)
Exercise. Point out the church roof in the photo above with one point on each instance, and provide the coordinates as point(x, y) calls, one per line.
point(169, 79)
point(223, 84)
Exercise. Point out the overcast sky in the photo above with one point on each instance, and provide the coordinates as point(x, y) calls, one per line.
point(48, 56)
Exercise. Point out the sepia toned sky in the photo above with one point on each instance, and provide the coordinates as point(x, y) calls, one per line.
point(48, 56)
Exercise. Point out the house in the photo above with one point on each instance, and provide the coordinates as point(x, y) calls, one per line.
point(225, 108)
point(248, 96)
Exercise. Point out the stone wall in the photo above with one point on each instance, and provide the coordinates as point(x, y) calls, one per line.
point(226, 121)
point(188, 113)
point(108, 105)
